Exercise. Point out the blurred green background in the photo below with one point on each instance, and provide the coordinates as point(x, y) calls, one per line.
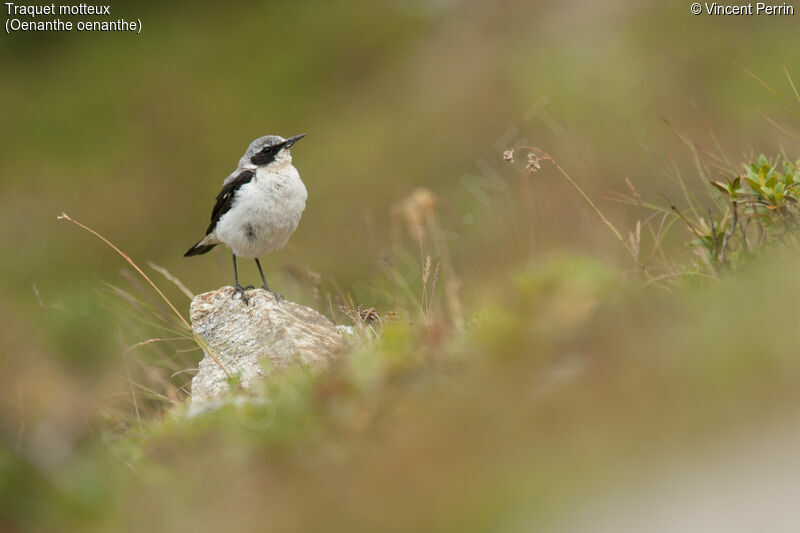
point(133, 134)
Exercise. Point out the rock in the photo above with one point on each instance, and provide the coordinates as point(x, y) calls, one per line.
point(249, 340)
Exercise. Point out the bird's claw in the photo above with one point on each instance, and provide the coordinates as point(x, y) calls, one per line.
point(278, 296)
point(242, 292)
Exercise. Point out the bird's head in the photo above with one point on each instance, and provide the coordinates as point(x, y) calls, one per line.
point(270, 150)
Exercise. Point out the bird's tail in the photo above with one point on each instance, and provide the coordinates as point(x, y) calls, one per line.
point(199, 249)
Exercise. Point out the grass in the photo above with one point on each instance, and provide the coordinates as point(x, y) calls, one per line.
point(733, 216)
point(571, 380)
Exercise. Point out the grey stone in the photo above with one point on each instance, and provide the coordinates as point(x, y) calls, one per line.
point(249, 340)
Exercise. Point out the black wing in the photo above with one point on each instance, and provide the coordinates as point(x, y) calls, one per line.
point(226, 196)
point(224, 202)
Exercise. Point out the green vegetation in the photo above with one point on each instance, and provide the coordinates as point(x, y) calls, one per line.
point(769, 201)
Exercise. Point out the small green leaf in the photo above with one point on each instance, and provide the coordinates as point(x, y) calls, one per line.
point(721, 186)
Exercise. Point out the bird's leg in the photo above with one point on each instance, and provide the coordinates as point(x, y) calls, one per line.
point(238, 289)
point(277, 296)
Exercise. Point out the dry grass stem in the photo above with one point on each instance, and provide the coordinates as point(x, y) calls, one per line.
point(64, 216)
point(166, 273)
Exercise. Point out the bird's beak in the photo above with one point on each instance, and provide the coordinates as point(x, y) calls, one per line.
point(291, 140)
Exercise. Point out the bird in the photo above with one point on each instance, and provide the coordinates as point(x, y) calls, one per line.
point(258, 208)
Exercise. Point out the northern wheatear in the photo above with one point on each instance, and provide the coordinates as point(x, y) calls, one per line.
point(259, 206)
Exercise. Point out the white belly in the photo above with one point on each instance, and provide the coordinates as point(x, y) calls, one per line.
point(264, 214)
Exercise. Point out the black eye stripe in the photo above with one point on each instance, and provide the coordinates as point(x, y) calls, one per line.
point(265, 156)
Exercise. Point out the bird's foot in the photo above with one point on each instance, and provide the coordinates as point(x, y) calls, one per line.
point(242, 292)
point(278, 296)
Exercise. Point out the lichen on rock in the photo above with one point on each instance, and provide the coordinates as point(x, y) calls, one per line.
point(249, 340)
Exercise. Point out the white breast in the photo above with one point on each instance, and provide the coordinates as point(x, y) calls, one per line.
point(265, 212)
